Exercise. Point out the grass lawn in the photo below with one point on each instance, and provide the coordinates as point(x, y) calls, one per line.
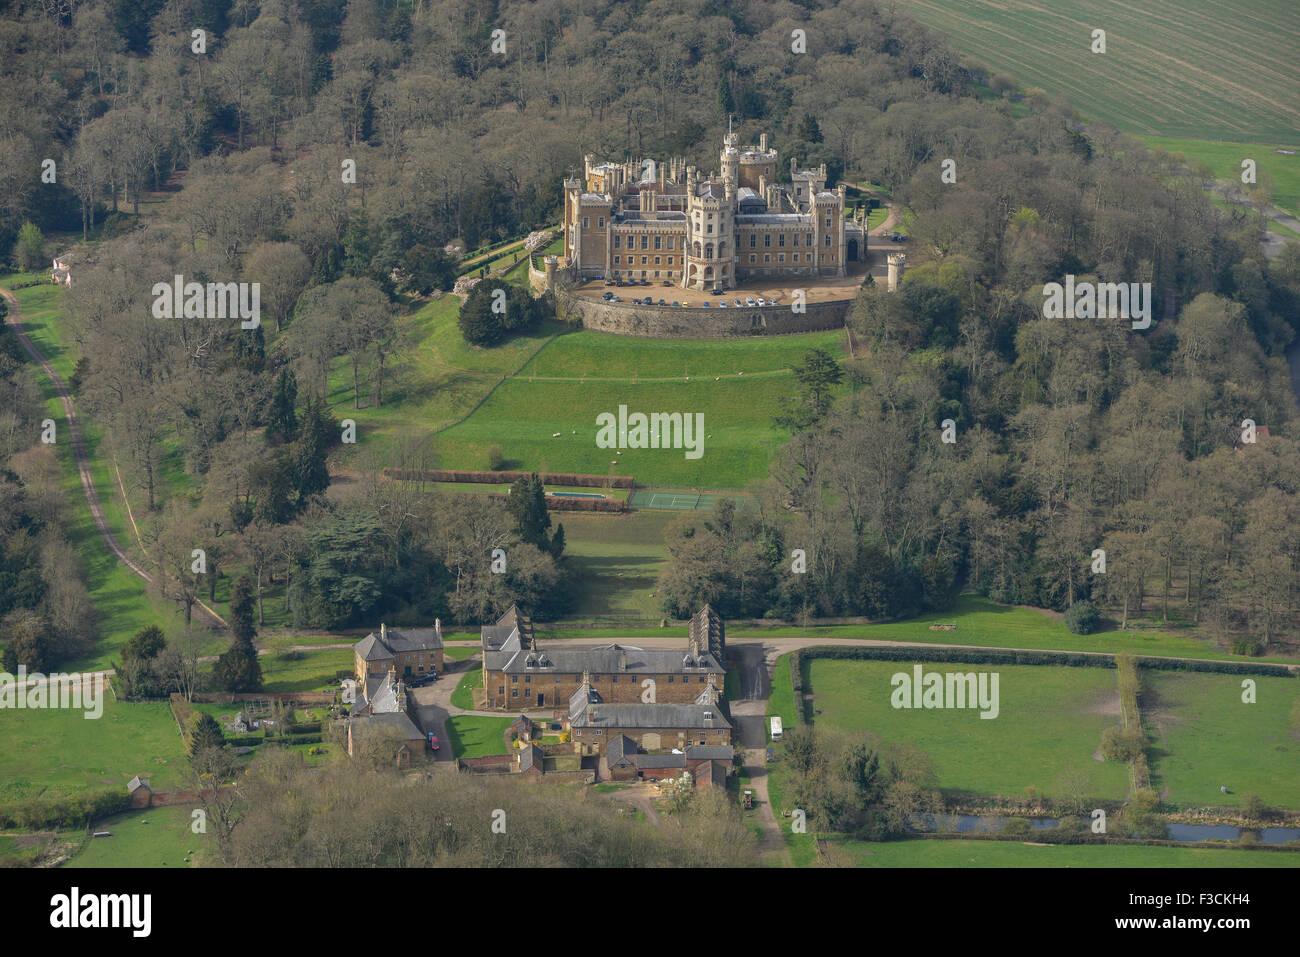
point(522, 417)
point(314, 671)
point(1225, 160)
point(592, 356)
point(459, 654)
point(617, 559)
point(781, 702)
point(155, 837)
point(959, 853)
point(1202, 736)
point(474, 736)
point(58, 750)
point(120, 597)
point(463, 696)
point(979, 622)
point(1049, 725)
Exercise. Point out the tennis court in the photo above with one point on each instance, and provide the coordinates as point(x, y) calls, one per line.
point(679, 501)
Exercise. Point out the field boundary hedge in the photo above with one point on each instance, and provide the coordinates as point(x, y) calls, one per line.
point(1068, 659)
point(573, 479)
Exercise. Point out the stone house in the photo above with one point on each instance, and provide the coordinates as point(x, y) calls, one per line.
point(411, 651)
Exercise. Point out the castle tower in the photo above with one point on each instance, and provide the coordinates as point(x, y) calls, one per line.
point(897, 262)
point(551, 263)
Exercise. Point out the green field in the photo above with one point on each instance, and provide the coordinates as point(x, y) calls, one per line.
point(1224, 160)
point(522, 416)
point(1202, 736)
point(1213, 69)
point(979, 622)
point(463, 696)
point(314, 671)
point(617, 559)
point(1049, 725)
point(156, 837)
point(957, 853)
point(475, 736)
point(59, 750)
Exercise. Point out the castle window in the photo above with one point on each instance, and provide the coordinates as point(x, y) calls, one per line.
point(767, 257)
point(501, 689)
point(514, 679)
point(659, 242)
point(808, 256)
point(618, 241)
point(828, 241)
point(600, 222)
point(672, 678)
point(753, 258)
point(670, 242)
point(780, 240)
point(585, 222)
point(645, 243)
point(670, 259)
point(616, 258)
point(710, 225)
point(796, 239)
point(753, 240)
point(514, 692)
point(643, 259)
point(781, 258)
point(767, 240)
point(828, 221)
point(657, 258)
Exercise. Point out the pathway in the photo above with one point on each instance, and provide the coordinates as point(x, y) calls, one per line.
point(14, 320)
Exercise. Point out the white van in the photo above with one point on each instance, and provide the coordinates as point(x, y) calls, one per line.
point(776, 728)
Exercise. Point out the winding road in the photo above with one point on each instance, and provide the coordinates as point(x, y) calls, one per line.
point(14, 321)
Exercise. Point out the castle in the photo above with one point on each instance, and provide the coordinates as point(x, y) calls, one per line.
point(666, 221)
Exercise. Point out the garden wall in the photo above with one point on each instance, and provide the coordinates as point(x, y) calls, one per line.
point(668, 322)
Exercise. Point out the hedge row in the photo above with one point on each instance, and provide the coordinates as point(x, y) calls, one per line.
point(64, 811)
point(558, 504)
point(796, 679)
point(573, 479)
point(1008, 656)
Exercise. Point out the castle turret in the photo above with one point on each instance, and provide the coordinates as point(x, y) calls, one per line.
point(897, 262)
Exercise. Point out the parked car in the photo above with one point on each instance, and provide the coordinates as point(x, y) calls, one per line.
point(898, 238)
point(607, 296)
point(668, 282)
point(676, 303)
point(662, 303)
point(762, 301)
point(704, 305)
point(737, 303)
point(609, 282)
point(750, 303)
point(434, 743)
point(722, 304)
point(716, 292)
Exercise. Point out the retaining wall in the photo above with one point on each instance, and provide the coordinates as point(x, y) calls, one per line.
point(669, 322)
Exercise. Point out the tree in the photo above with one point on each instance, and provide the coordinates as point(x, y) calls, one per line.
point(30, 250)
point(238, 668)
point(527, 504)
point(817, 375)
point(1082, 618)
point(283, 271)
point(202, 732)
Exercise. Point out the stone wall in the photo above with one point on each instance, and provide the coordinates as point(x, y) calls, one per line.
point(668, 322)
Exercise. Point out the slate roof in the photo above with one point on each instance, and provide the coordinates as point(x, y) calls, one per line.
point(653, 761)
point(710, 752)
point(511, 632)
point(387, 642)
point(530, 757)
point(620, 747)
point(688, 716)
point(605, 660)
point(584, 696)
point(136, 783)
point(773, 219)
point(393, 719)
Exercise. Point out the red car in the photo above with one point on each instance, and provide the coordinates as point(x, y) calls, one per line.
point(433, 742)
